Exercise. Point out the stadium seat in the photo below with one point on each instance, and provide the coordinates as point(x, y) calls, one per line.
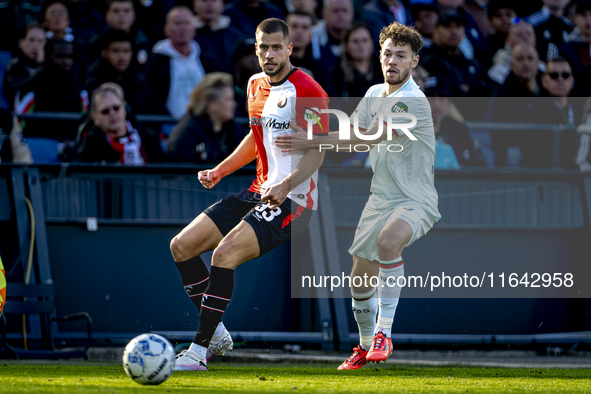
point(38, 299)
point(44, 150)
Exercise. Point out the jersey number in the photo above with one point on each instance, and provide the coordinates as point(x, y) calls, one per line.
point(268, 215)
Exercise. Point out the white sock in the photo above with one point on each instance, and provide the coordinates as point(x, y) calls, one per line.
point(388, 294)
point(198, 349)
point(365, 308)
point(219, 330)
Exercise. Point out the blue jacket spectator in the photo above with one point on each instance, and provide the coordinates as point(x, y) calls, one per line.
point(247, 14)
point(215, 34)
point(380, 13)
point(552, 28)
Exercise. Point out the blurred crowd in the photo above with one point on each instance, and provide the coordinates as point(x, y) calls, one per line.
point(191, 59)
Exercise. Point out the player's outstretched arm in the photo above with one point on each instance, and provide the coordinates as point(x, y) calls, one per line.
point(298, 140)
point(242, 155)
point(278, 192)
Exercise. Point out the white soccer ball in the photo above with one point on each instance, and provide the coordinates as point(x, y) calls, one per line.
point(148, 359)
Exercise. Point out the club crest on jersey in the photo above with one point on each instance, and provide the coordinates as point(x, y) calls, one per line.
point(400, 107)
point(282, 101)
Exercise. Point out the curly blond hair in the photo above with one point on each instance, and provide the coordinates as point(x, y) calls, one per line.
point(402, 35)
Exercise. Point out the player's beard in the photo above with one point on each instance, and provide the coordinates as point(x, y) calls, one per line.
point(277, 70)
point(400, 76)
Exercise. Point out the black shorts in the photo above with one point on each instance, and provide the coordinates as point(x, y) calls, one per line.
point(271, 226)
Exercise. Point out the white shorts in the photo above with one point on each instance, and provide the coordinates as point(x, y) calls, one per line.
point(374, 219)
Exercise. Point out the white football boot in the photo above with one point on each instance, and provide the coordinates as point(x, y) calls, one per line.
point(220, 345)
point(189, 361)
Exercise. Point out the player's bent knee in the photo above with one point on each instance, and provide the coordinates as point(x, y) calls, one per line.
point(224, 256)
point(181, 251)
point(389, 245)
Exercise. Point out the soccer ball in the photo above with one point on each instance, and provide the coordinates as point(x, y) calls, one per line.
point(148, 359)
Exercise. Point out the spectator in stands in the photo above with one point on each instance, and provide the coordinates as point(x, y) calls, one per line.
point(246, 65)
point(358, 68)
point(425, 16)
point(445, 59)
point(56, 89)
point(500, 13)
point(577, 49)
point(300, 34)
point(113, 139)
point(169, 91)
point(559, 82)
point(120, 15)
point(551, 27)
point(380, 13)
point(474, 43)
point(14, 18)
point(87, 19)
point(308, 6)
point(337, 17)
point(215, 34)
point(56, 20)
point(247, 14)
point(448, 130)
point(115, 65)
point(519, 32)
point(207, 133)
point(583, 158)
point(27, 62)
point(419, 75)
point(150, 16)
point(478, 10)
point(523, 80)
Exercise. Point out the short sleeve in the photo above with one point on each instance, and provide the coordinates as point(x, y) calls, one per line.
point(308, 109)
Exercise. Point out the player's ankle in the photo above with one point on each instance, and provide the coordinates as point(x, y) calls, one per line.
point(198, 350)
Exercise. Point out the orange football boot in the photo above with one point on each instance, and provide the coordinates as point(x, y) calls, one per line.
point(381, 348)
point(356, 361)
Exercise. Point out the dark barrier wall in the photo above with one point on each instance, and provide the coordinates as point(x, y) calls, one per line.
point(124, 275)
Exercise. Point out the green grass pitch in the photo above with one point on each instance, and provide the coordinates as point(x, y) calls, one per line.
point(67, 377)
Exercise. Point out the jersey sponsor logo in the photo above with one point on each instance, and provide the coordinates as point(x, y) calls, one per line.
point(400, 107)
point(268, 122)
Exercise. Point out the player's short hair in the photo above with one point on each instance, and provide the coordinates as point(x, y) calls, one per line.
point(402, 35)
point(114, 35)
point(177, 8)
point(207, 91)
point(108, 3)
point(557, 59)
point(273, 25)
point(108, 87)
point(301, 13)
point(31, 26)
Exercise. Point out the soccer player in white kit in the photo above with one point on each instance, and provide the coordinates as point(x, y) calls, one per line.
point(402, 206)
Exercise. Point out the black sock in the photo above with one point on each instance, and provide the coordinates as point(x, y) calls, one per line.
point(214, 304)
point(195, 278)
